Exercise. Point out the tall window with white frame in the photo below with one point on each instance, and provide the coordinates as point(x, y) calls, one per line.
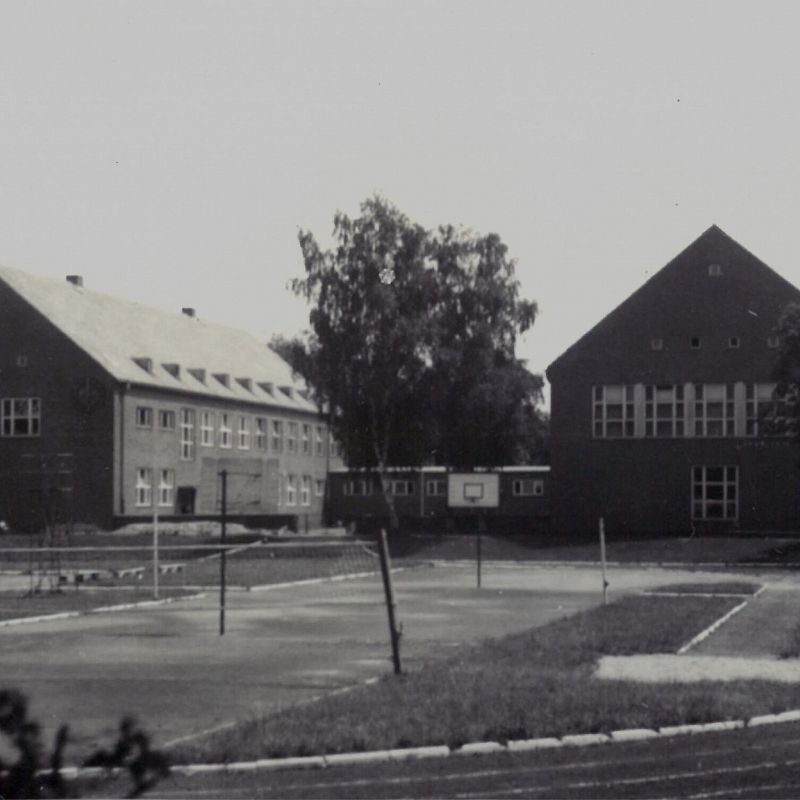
point(244, 432)
point(320, 440)
point(144, 487)
point(663, 410)
point(762, 409)
point(225, 432)
point(305, 490)
point(187, 433)
point(613, 412)
point(306, 439)
point(20, 416)
point(291, 438)
point(207, 428)
point(166, 488)
point(277, 436)
point(714, 410)
point(291, 490)
point(262, 433)
point(715, 493)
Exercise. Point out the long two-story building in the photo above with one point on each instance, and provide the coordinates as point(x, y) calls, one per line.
point(657, 417)
point(111, 411)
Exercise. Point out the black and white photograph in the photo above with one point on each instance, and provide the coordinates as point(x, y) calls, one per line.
point(399, 399)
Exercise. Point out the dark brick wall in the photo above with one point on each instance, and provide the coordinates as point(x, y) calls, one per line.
point(77, 417)
point(644, 485)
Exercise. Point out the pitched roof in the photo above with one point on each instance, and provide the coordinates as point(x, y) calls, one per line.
point(756, 280)
point(148, 347)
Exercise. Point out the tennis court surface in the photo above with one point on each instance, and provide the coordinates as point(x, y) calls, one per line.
point(169, 667)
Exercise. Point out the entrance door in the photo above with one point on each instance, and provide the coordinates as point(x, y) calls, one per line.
point(186, 498)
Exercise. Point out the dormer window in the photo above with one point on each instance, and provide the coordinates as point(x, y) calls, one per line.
point(734, 342)
point(145, 363)
point(715, 270)
point(173, 369)
point(245, 383)
point(223, 378)
point(695, 342)
point(656, 344)
point(198, 374)
point(267, 387)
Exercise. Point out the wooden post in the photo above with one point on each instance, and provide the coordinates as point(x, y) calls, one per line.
point(386, 572)
point(155, 554)
point(603, 559)
point(222, 565)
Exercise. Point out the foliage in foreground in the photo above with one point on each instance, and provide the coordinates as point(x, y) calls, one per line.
point(526, 685)
point(30, 774)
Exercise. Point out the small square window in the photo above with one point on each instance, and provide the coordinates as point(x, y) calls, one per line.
point(695, 342)
point(773, 342)
point(734, 342)
point(715, 270)
point(656, 344)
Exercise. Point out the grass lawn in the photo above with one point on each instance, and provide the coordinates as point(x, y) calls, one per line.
point(723, 587)
point(15, 605)
point(539, 547)
point(532, 684)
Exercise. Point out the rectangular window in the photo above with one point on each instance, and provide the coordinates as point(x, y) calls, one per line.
point(713, 410)
point(166, 487)
point(613, 412)
point(144, 487)
point(306, 440)
point(166, 420)
point(436, 488)
point(291, 490)
point(762, 409)
point(333, 447)
point(225, 431)
point(527, 487)
point(20, 416)
point(319, 487)
point(291, 438)
point(277, 435)
point(320, 441)
point(663, 411)
point(244, 433)
point(144, 417)
point(715, 493)
point(358, 487)
point(402, 488)
point(187, 434)
point(207, 428)
point(261, 433)
point(305, 490)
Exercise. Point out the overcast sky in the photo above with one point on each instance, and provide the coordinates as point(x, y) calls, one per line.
point(170, 151)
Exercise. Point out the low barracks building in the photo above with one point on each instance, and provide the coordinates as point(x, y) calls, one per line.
point(117, 410)
point(657, 412)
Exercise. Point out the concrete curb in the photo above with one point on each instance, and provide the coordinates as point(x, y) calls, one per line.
point(7, 623)
point(470, 749)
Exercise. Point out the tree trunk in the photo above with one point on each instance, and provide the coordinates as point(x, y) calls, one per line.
point(394, 521)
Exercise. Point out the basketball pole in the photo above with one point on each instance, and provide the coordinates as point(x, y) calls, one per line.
point(155, 553)
point(386, 573)
point(478, 548)
point(224, 476)
point(602, 527)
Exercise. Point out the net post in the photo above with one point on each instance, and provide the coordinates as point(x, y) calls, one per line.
point(155, 554)
point(223, 526)
point(388, 590)
point(602, 529)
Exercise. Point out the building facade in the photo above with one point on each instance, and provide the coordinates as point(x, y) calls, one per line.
point(420, 498)
point(111, 411)
point(658, 412)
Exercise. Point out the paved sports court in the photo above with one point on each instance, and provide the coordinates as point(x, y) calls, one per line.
point(170, 668)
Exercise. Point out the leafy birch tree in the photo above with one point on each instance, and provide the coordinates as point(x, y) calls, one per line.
point(412, 343)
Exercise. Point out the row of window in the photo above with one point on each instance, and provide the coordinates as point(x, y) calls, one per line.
point(288, 486)
point(228, 430)
point(696, 343)
point(677, 410)
point(522, 487)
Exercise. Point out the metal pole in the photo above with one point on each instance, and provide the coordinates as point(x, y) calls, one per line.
point(478, 549)
point(224, 477)
point(603, 559)
point(386, 572)
point(155, 553)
